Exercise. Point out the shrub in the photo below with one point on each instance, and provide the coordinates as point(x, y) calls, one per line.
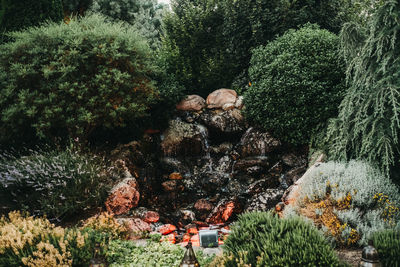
point(17, 15)
point(75, 6)
point(387, 243)
point(72, 79)
point(298, 82)
point(33, 241)
point(57, 184)
point(368, 123)
point(262, 239)
point(192, 46)
point(354, 200)
point(164, 254)
point(145, 15)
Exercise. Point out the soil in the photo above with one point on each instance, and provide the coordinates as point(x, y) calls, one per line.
point(351, 256)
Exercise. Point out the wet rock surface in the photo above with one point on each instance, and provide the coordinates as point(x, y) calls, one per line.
point(207, 167)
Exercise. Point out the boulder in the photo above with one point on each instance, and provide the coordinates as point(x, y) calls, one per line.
point(229, 121)
point(191, 103)
point(137, 228)
point(203, 205)
point(172, 186)
point(256, 143)
point(184, 139)
point(175, 176)
point(293, 160)
point(247, 163)
point(239, 102)
point(188, 215)
point(124, 196)
point(166, 229)
point(265, 200)
point(222, 212)
point(220, 97)
point(151, 217)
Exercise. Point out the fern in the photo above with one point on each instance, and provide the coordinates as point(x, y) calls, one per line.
point(368, 123)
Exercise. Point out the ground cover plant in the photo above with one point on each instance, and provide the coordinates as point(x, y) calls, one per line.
point(297, 83)
point(57, 184)
point(350, 201)
point(262, 239)
point(69, 80)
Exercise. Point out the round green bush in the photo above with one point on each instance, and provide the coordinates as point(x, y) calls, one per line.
point(297, 83)
point(68, 80)
point(52, 183)
point(387, 242)
point(262, 239)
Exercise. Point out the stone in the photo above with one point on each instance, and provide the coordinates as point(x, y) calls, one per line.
point(228, 106)
point(151, 217)
point(222, 149)
point(265, 200)
point(292, 160)
point(203, 205)
point(293, 175)
point(188, 215)
point(124, 196)
point(256, 143)
point(167, 229)
point(239, 102)
point(172, 186)
point(137, 228)
point(182, 139)
point(229, 121)
point(222, 212)
point(260, 185)
point(171, 238)
point(191, 103)
point(246, 163)
point(220, 97)
point(175, 176)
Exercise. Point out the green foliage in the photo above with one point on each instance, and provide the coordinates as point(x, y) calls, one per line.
point(388, 245)
point(366, 201)
point(145, 15)
point(54, 183)
point(192, 45)
point(368, 123)
point(249, 23)
point(75, 6)
point(71, 79)
point(262, 239)
point(127, 253)
point(17, 15)
point(297, 83)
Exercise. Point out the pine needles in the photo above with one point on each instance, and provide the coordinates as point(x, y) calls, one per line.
point(368, 123)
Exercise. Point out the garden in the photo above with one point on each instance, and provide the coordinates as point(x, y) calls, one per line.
point(130, 128)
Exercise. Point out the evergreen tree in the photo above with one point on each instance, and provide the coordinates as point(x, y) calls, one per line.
point(19, 14)
point(369, 120)
point(193, 45)
point(145, 15)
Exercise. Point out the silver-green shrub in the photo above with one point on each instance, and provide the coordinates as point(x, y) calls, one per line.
point(53, 183)
point(374, 198)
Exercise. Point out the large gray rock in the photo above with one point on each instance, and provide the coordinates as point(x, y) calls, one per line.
point(184, 139)
point(256, 143)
